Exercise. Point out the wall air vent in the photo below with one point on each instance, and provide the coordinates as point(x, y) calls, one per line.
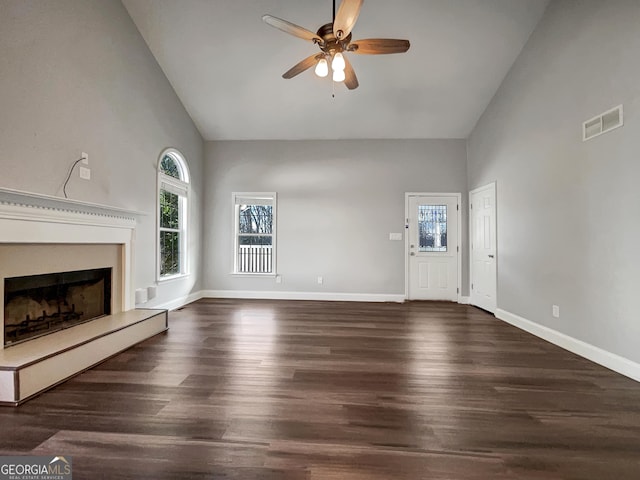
point(603, 123)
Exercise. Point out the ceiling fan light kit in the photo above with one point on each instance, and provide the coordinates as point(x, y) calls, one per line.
point(334, 39)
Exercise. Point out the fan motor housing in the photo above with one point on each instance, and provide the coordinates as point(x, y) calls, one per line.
point(331, 43)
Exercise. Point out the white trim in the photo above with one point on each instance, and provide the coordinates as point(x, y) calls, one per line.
point(256, 275)
point(324, 296)
point(182, 301)
point(39, 201)
point(464, 300)
point(171, 278)
point(458, 197)
point(614, 362)
point(37, 213)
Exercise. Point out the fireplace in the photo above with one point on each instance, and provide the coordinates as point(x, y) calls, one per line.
point(36, 305)
point(53, 243)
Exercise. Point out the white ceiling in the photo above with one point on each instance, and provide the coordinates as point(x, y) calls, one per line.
point(225, 64)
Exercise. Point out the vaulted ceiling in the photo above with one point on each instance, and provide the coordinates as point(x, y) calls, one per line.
point(226, 66)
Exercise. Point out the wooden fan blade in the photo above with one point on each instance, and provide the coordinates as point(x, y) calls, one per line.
point(346, 17)
point(300, 67)
point(291, 29)
point(351, 81)
point(379, 46)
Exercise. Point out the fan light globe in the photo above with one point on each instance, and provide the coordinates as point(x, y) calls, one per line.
point(338, 76)
point(338, 62)
point(322, 68)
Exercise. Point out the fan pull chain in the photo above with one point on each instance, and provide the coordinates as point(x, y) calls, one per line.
point(333, 89)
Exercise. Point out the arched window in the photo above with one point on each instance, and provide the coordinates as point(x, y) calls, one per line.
point(173, 199)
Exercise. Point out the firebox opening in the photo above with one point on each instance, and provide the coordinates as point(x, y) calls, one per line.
point(36, 305)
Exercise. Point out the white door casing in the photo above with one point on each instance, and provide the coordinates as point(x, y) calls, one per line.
point(483, 254)
point(432, 249)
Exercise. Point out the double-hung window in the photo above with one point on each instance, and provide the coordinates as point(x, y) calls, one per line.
point(254, 217)
point(173, 193)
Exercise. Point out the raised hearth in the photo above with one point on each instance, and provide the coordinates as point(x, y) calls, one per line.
point(39, 364)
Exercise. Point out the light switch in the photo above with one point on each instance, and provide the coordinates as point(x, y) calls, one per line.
point(395, 236)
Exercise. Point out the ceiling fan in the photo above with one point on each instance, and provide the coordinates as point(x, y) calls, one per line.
point(334, 39)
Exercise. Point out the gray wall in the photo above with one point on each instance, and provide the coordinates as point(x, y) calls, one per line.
point(567, 211)
point(337, 203)
point(77, 76)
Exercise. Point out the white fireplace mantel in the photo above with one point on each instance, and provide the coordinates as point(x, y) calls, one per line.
point(27, 217)
point(35, 206)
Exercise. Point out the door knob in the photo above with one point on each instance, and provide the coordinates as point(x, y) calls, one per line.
point(413, 254)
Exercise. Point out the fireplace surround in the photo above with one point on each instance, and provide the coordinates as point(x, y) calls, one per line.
point(42, 235)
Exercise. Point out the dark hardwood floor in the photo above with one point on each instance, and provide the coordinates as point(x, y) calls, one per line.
point(319, 390)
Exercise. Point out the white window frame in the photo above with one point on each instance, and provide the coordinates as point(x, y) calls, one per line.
point(259, 196)
point(180, 187)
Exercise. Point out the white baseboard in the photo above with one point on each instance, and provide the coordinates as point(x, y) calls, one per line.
point(614, 362)
point(182, 301)
point(464, 300)
point(328, 296)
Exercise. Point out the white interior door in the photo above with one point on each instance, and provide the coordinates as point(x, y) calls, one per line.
point(482, 214)
point(432, 247)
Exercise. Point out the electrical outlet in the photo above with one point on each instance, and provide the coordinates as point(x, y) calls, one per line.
point(85, 158)
point(85, 173)
point(278, 279)
point(555, 311)
point(141, 296)
point(320, 280)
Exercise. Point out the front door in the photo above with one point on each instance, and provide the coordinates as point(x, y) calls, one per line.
point(482, 204)
point(433, 247)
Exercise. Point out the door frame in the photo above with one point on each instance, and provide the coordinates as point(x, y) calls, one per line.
point(458, 197)
point(492, 185)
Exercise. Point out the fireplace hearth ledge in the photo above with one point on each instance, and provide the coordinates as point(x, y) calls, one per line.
point(30, 368)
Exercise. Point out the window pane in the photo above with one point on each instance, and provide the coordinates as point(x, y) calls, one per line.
point(432, 225)
point(255, 254)
point(255, 219)
point(169, 253)
point(169, 166)
point(169, 210)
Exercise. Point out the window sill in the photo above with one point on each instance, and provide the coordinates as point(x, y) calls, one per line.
point(169, 278)
point(240, 274)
